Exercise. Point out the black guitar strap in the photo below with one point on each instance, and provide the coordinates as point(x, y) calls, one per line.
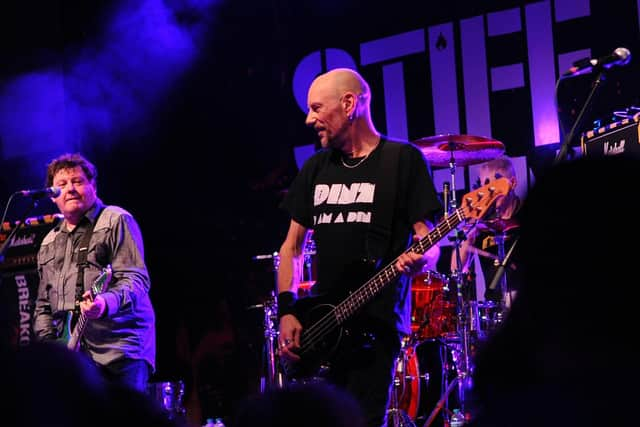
point(82, 263)
point(379, 236)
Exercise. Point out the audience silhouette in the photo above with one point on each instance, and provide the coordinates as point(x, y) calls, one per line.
point(305, 404)
point(565, 355)
point(48, 385)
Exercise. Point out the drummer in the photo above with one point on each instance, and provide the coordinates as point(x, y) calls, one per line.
point(488, 241)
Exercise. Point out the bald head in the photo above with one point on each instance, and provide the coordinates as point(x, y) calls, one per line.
point(342, 80)
point(339, 110)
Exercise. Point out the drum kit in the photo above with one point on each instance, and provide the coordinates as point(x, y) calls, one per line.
point(446, 323)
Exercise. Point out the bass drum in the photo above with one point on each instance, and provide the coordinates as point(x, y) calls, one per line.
point(422, 379)
point(405, 397)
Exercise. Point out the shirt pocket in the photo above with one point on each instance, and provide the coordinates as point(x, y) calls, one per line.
point(46, 270)
point(100, 253)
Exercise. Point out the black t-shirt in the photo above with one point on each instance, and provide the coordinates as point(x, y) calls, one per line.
point(339, 204)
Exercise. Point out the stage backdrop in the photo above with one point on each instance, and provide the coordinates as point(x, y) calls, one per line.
point(194, 112)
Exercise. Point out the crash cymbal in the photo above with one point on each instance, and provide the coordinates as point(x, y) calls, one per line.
point(467, 149)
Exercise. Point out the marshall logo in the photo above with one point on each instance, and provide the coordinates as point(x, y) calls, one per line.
point(613, 149)
point(618, 138)
point(26, 240)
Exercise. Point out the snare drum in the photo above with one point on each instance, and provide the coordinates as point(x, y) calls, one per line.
point(432, 310)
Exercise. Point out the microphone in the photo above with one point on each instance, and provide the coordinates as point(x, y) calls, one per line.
point(621, 56)
point(41, 193)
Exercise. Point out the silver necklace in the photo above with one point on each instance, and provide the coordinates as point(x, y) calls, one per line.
point(346, 165)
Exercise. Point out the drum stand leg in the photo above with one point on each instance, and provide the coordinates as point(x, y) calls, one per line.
point(440, 403)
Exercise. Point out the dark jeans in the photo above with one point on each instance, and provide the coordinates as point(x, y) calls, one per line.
point(133, 373)
point(368, 375)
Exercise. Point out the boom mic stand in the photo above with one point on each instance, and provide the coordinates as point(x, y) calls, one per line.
point(562, 152)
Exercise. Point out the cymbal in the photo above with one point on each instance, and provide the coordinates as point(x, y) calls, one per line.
point(497, 225)
point(467, 149)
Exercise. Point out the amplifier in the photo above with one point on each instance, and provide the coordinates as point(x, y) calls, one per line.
point(621, 137)
point(19, 276)
point(23, 248)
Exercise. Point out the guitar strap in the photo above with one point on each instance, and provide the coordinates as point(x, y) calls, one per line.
point(379, 235)
point(82, 259)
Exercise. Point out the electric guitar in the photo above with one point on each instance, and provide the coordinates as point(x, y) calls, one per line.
point(323, 324)
point(72, 335)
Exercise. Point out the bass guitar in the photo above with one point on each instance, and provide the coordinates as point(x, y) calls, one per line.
point(72, 335)
point(323, 324)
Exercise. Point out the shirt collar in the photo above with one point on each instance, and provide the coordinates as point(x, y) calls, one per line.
point(90, 216)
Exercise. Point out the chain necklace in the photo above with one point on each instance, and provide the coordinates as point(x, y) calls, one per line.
point(346, 165)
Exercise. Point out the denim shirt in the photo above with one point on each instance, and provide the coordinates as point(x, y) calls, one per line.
point(127, 328)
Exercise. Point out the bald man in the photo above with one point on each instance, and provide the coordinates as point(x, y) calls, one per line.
point(365, 197)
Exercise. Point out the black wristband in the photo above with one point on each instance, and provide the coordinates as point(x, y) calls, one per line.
point(286, 301)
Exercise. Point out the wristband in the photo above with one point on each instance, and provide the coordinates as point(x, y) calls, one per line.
point(286, 301)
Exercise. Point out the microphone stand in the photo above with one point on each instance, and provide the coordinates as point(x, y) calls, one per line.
point(562, 154)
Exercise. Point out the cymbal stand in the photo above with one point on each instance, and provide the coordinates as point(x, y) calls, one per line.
point(273, 378)
point(499, 278)
point(462, 354)
point(505, 295)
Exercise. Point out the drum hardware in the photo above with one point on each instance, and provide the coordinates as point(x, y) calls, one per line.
point(405, 395)
point(399, 417)
point(499, 277)
point(464, 363)
point(441, 403)
point(272, 378)
point(169, 395)
point(457, 150)
point(308, 268)
point(272, 375)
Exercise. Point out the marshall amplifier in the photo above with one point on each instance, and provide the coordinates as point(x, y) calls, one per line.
point(617, 138)
point(19, 276)
point(22, 250)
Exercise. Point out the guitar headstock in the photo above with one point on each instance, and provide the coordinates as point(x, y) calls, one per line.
point(102, 281)
point(475, 204)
